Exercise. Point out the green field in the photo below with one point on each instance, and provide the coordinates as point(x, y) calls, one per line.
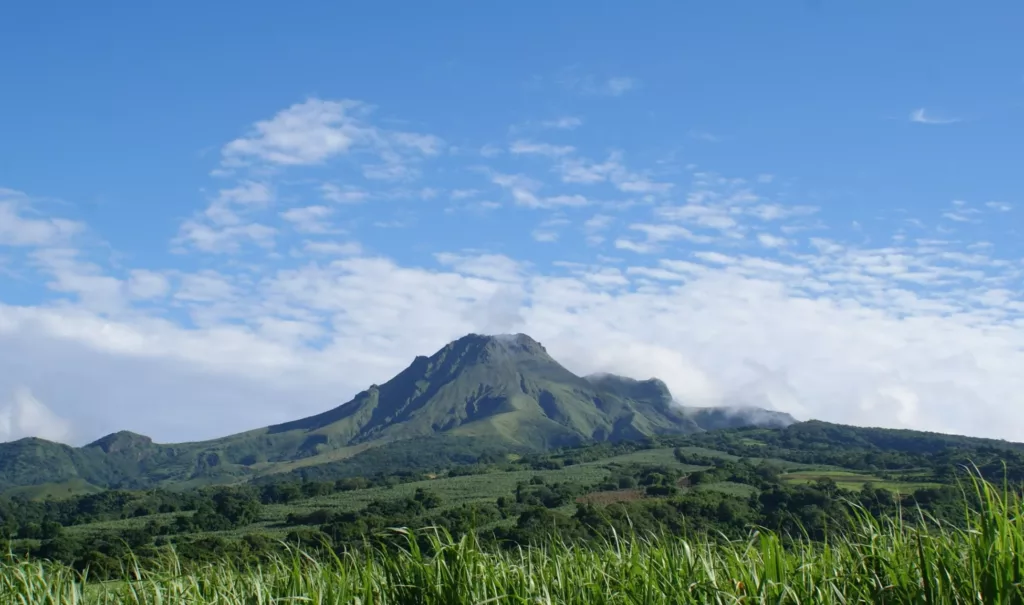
point(854, 481)
point(658, 456)
point(729, 487)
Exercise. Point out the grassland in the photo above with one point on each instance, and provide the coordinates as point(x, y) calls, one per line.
point(880, 561)
point(853, 480)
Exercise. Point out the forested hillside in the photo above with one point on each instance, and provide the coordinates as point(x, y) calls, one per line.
point(798, 481)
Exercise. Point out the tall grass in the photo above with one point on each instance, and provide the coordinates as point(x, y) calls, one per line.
point(879, 561)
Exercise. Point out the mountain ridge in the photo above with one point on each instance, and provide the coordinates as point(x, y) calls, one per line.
point(502, 391)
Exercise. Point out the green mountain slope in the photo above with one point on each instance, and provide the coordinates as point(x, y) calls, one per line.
point(501, 393)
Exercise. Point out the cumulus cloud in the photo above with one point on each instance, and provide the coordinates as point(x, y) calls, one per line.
point(316, 130)
point(26, 416)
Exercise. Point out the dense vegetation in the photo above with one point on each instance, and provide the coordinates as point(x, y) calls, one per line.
point(875, 560)
point(799, 482)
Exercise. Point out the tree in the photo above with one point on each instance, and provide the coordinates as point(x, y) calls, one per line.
point(427, 498)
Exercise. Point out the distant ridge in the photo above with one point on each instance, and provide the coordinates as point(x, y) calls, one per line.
point(479, 392)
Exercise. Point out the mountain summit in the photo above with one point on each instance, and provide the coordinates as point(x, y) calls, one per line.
point(499, 393)
point(504, 388)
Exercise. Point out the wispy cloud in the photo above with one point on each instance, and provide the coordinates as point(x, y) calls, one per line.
point(563, 123)
point(309, 219)
point(702, 135)
point(546, 149)
point(923, 116)
point(614, 86)
point(18, 226)
point(548, 231)
point(618, 86)
point(343, 195)
point(962, 212)
point(771, 241)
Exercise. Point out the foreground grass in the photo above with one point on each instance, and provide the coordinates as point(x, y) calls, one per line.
point(881, 561)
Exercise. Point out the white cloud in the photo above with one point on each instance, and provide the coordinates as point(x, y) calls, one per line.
point(524, 190)
point(26, 416)
point(247, 192)
point(309, 219)
point(614, 86)
point(594, 227)
point(563, 123)
point(343, 195)
point(578, 170)
point(702, 135)
point(587, 172)
point(145, 285)
point(333, 248)
point(712, 217)
point(774, 212)
point(488, 266)
point(548, 231)
point(206, 286)
point(490, 151)
point(70, 274)
point(771, 241)
point(656, 235)
point(962, 213)
point(999, 206)
point(305, 133)
point(563, 200)
point(462, 194)
point(598, 222)
point(923, 116)
point(528, 147)
point(19, 228)
point(224, 239)
point(316, 130)
point(618, 86)
point(635, 246)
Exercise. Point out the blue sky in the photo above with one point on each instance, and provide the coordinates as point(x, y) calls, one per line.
point(214, 217)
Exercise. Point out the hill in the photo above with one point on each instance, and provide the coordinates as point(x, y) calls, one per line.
point(478, 394)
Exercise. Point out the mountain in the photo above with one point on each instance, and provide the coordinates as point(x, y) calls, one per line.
point(494, 394)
